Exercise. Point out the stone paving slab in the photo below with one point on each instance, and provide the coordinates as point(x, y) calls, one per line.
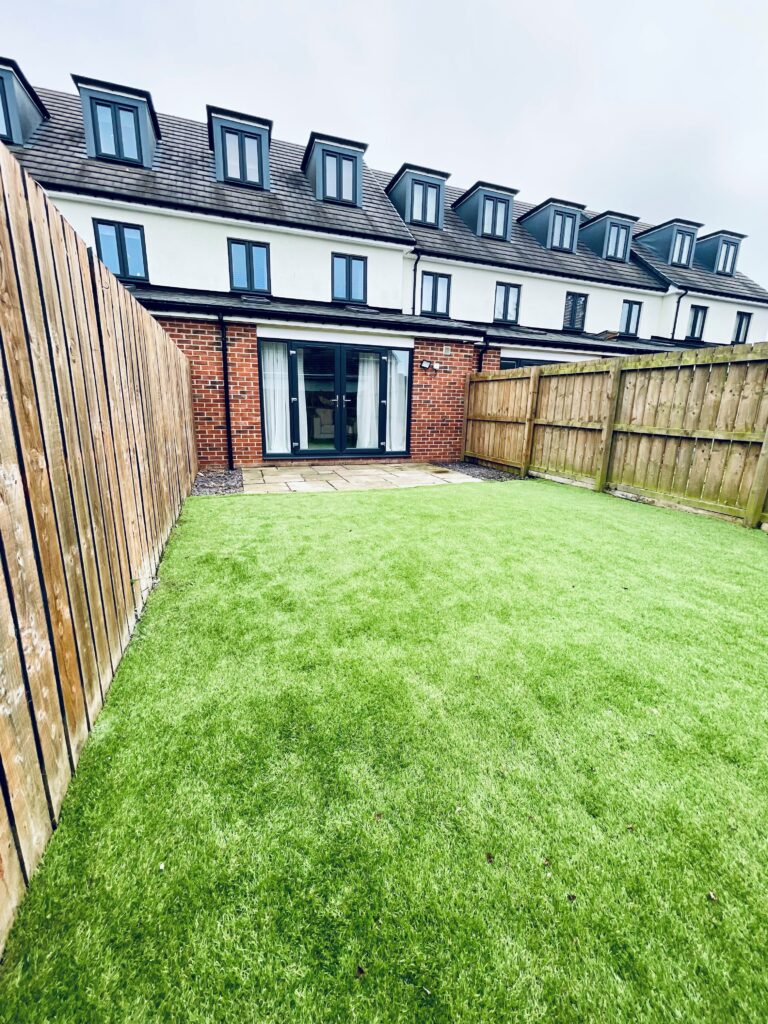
point(318, 478)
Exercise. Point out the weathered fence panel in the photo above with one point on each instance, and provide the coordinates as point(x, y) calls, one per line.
point(680, 428)
point(97, 454)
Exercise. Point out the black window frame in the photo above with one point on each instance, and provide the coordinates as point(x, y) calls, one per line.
point(510, 363)
point(119, 156)
point(349, 258)
point(242, 134)
point(422, 220)
point(727, 245)
point(435, 275)
point(637, 306)
point(692, 239)
point(496, 202)
point(566, 215)
point(693, 322)
point(250, 245)
point(743, 320)
point(622, 256)
point(6, 136)
point(339, 158)
point(120, 226)
point(508, 288)
point(573, 326)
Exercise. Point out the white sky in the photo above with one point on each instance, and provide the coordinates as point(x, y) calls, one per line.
point(655, 109)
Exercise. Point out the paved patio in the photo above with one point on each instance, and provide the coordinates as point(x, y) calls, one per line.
point(349, 477)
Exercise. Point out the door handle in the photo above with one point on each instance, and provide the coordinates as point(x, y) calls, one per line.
point(335, 400)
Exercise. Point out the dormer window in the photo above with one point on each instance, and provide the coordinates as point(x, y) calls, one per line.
point(618, 241)
point(5, 118)
point(425, 203)
point(418, 195)
point(242, 156)
point(563, 230)
point(240, 145)
point(726, 260)
point(116, 131)
point(495, 217)
point(334, 168)
point(682, 249)
point(339, 173)
point(120, 122)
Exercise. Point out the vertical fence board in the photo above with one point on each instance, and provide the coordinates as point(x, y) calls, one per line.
point(97, 455)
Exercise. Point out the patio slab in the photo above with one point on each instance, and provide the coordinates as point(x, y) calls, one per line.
point(317, 477)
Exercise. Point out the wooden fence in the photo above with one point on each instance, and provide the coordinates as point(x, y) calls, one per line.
point(97, 455)
point(680, 428)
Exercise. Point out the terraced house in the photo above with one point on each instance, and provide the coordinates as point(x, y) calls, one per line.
point(331, 310)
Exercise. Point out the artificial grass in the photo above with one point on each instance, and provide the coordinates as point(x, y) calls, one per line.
point(488, 753)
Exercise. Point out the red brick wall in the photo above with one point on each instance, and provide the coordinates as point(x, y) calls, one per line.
point(437, 412)
point(437, 408)
point(491, 359)
point(244, 402)
point(200, 342)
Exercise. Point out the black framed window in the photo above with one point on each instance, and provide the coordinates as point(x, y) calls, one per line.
point(425, 203)
point(248, 266)
point(121, 249)
point(618, 240)
point(495, 217)
point(116, 131)
point(682, 248)
point(696, 322)
point(507, 304)
point(349, 278)
point(509, 363)
point(741, 330)
point(575, 311)
point(630, 317)
point(5, 119)
point(563, 230)
point(435, 294)
point(726, 258)
point(339, 177)
point(242, 156)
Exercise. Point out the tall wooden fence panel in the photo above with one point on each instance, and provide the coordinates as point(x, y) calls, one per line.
point(680, 428)
point(97, 454)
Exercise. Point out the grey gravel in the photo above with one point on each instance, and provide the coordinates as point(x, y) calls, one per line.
point(479, 472)
point(219, 482)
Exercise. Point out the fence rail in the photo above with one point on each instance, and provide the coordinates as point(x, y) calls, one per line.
point(97, 455)
point(680, 428)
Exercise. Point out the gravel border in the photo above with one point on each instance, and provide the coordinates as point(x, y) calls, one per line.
point(478, 472)
point(218, 482)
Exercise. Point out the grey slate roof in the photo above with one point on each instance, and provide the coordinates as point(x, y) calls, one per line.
point(175, 300)
point(699, 279)
point(183, 176)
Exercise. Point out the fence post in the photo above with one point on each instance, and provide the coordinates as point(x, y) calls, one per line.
point(759, 489)
point(467, 387)
point(530, 416)
point(606, 437)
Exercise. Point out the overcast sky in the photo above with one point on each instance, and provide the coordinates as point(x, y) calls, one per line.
point(655, 109)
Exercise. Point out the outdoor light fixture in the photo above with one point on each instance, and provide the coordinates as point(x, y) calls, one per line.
point(425, 364)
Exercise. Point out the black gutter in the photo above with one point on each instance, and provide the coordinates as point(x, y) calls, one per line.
point(225, 376)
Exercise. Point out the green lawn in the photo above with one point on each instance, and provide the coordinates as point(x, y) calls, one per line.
point(489, 753)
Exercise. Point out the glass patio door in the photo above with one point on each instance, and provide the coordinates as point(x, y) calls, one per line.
point(317, 399)
point(325, 400)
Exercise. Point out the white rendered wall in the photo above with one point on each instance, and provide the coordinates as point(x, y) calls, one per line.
point(191, 252)
point(721, 318)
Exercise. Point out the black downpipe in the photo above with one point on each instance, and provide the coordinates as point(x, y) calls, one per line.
point(225, 375)
point(680, 298)
point(481, 354)
point(415, 275)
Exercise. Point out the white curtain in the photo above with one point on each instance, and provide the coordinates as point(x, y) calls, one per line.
point(303, 431)
point(397, 401)
point(277, 417)
point(368, 400)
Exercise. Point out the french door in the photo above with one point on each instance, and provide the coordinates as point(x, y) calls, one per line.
point(322, 400)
